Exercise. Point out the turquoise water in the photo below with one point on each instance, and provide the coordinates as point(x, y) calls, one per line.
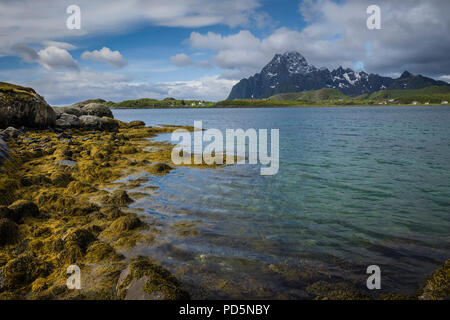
point(356, 187)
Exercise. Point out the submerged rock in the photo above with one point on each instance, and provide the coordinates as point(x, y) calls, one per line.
point(145, 280)
point(120, 198)
point(20, 106)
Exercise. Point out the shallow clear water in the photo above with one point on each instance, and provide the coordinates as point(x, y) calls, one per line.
point(356, 187)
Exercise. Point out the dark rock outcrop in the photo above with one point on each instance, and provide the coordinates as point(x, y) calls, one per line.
point(23, 107)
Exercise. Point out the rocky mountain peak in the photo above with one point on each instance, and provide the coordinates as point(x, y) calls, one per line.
point(290, 72)
point(406, 74)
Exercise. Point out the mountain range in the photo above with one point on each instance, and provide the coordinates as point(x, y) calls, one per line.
point(290, 72)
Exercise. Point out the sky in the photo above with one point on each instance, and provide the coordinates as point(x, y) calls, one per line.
point(198, 49)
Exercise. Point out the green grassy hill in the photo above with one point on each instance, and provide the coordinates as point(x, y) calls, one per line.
point(432, 94)
point(312, 95)
point(153, 103)
point(332, 97)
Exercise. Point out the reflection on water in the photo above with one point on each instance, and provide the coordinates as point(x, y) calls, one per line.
point(356, 186)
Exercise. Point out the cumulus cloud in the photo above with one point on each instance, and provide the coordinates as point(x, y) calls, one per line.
point(414, 36)
point(105, 54)
point(51, 58)
point(181, 60)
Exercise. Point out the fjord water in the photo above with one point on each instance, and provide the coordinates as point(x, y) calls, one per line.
point(356, 187)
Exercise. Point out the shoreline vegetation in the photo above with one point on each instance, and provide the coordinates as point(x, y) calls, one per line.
point(64, 200)
point(328, 97)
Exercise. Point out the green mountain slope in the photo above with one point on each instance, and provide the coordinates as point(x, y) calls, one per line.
point(311, 95)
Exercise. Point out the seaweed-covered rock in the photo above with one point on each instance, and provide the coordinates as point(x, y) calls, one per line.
point(437, 286)
point(98, 109)
point(99, 251)
point(22, 209)
point(125, 223)
point(8, 232)
point(145, 280)
point(120, 198)
point(60, 179)
point(24, 270)
point(323, 290)
point(160, 168)
point(82, 237)
point(20, 106)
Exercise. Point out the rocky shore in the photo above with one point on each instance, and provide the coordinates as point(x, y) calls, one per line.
point(62, 203)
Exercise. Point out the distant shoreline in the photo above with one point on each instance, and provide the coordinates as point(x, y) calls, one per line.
point(287, 106)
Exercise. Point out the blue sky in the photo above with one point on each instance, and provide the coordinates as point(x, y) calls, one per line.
point(199, 48)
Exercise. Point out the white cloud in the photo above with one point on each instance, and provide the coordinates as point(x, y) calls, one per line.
point(68, 87)
point(51, 58)
point(58, 44)
point(105, 54)
point(181, 60)
point(445, 78)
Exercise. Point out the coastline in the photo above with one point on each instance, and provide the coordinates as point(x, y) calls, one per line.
point(61, 204)
point(61, 193)
point(285, 106)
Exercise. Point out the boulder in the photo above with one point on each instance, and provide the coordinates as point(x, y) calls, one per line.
point(68, 121)
point(11, 133)
point(20, 106)
point(97, 123)
point(76, 111)
point(98, 109)
point(92, 122)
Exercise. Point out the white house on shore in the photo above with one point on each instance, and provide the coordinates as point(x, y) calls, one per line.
point(444, 102)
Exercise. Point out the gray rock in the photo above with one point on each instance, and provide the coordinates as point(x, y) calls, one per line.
point(98, 109)
point(58, 112)
point(68, 121)
point(76, 111)
point(92, 122)
point(67, 163)
point(11, 133)
point(97, 123)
